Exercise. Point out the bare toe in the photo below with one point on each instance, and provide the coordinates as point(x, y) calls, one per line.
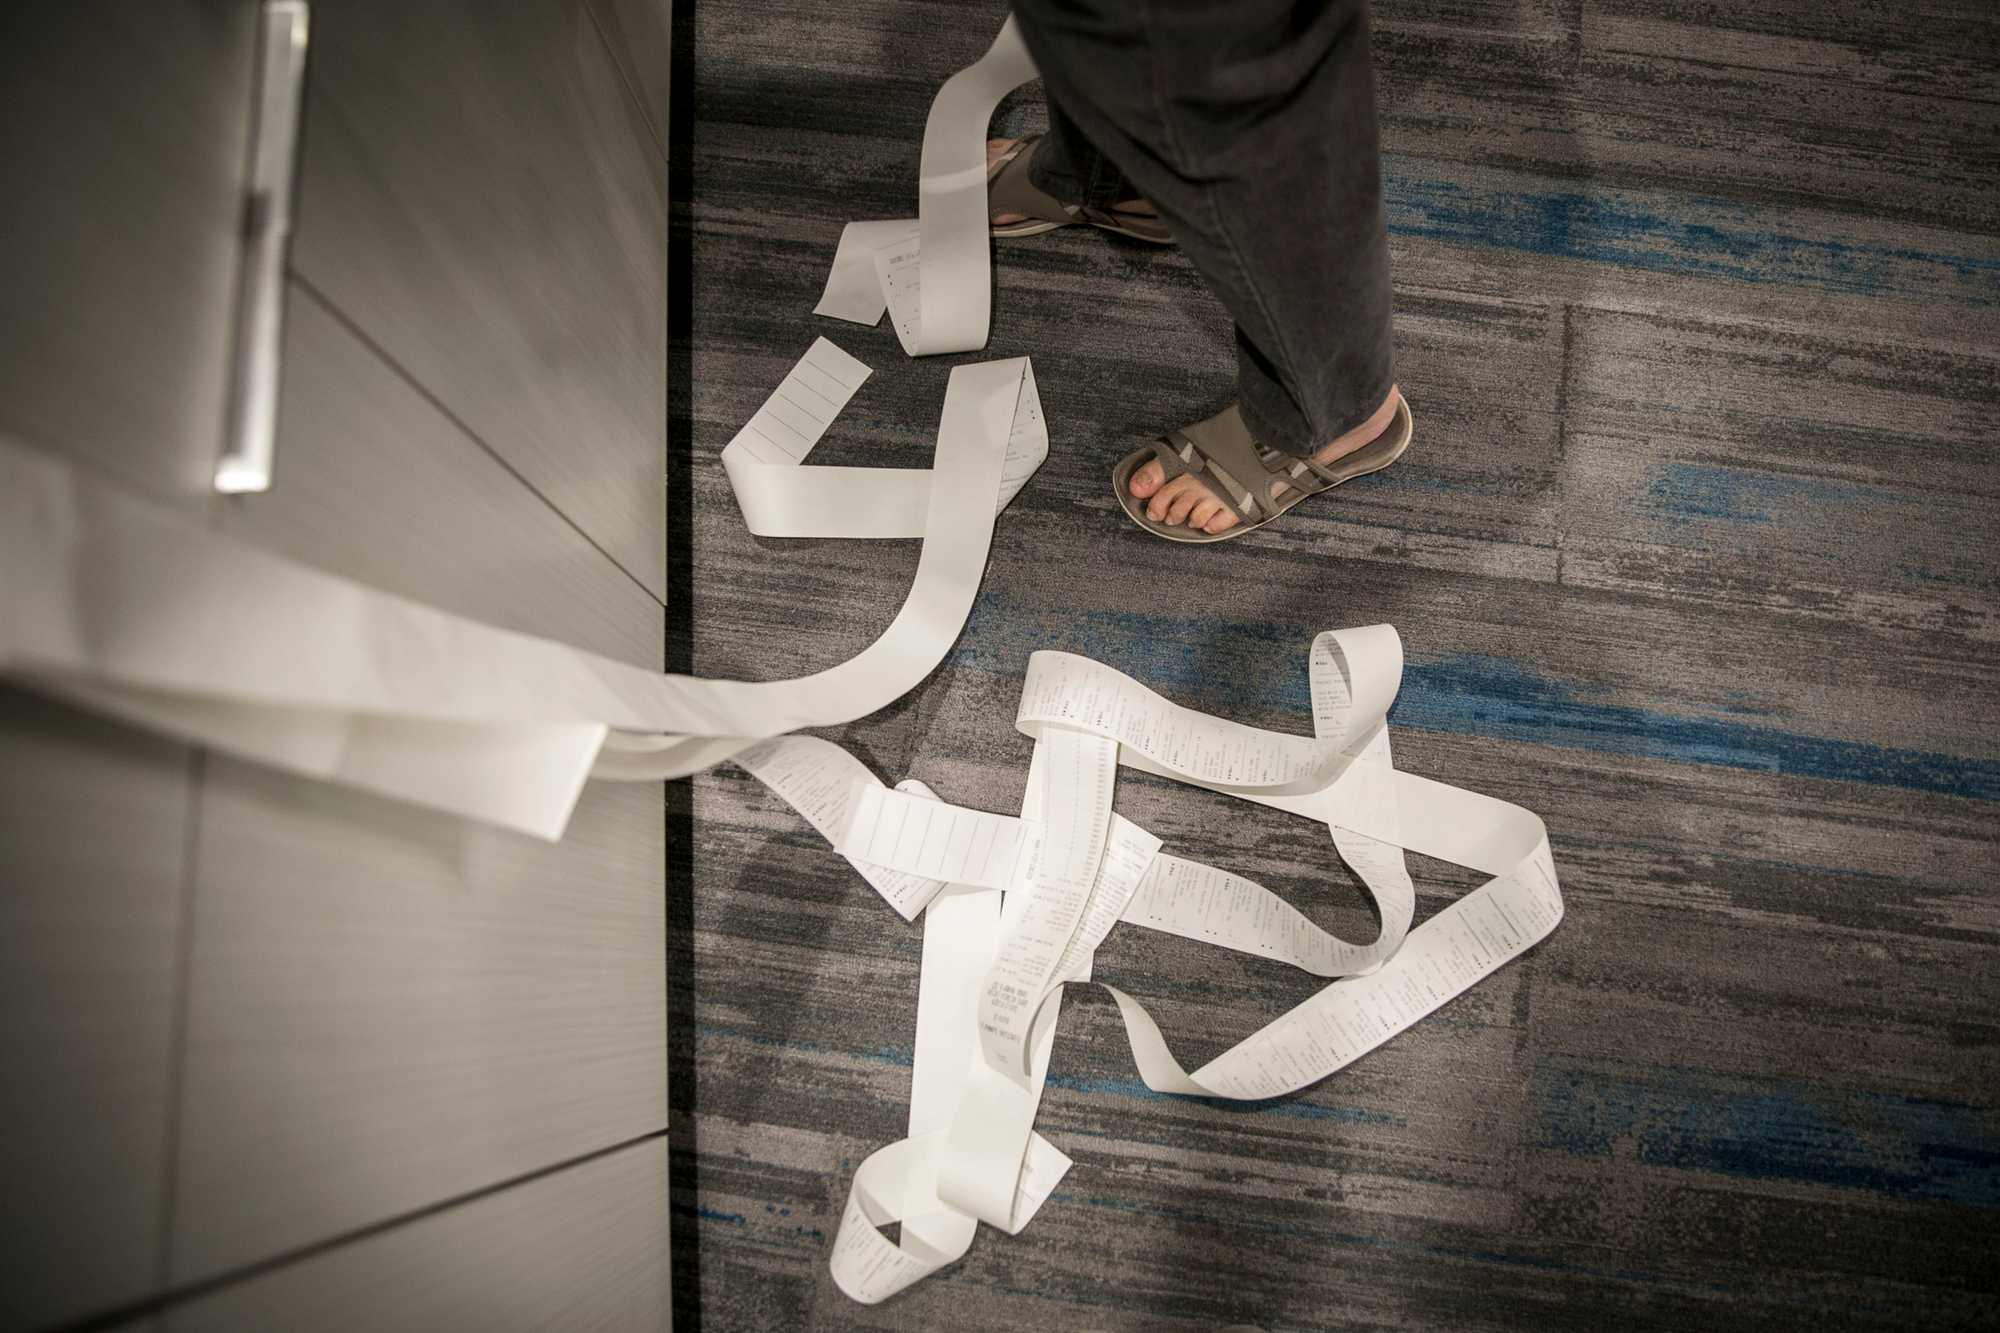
point(1204, 509)
point(1146, 479)
point(1222, 521)
point(1177, 512)
point(1164, 498)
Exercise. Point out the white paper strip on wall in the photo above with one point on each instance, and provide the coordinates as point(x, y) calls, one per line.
point(934, 274)
point(127, 607)
point(131, 607)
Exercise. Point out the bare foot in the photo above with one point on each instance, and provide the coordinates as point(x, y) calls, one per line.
point(996, 147)
point(1185, 500)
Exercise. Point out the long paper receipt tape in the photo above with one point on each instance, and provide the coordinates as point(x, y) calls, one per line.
point(127, 607)
point(933, 273)
point(1018, 904)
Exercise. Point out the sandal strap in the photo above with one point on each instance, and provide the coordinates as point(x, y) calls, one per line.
point(1180, 455)
point(1299, 473)
point(1173, 458)
point(1009, 189)
point(1226, 446)
point(1146, 226)
point(1317, 468)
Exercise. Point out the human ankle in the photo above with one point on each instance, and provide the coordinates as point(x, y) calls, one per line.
point(1364, 434)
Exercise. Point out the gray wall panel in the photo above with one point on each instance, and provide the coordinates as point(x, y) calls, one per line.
point(580, 1249)
point(481, 196)
point(384, 1008)
point(93, 854)
point(123, 131)
point(640, 34)
point(372, 482)
point(390, 1007)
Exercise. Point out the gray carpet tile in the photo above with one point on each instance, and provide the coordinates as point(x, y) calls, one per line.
point(1695, 555)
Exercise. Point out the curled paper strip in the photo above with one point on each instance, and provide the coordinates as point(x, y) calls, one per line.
point(899, 1183)
point(125, 606)
point(781, 498)
point(1070, 869)
point(933, 273)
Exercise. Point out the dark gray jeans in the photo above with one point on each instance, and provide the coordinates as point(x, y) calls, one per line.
point(1250, 125)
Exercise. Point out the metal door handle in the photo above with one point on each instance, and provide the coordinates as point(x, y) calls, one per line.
point(252, 422)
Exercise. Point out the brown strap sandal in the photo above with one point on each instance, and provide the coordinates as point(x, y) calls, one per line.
point(1010, 190)
point(1220, 454)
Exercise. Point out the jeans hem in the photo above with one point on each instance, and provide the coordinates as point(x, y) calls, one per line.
point(1262, 430)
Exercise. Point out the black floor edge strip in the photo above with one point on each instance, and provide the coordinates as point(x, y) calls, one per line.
point(684, 1186)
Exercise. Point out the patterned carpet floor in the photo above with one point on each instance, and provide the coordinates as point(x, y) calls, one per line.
point(1699, 313)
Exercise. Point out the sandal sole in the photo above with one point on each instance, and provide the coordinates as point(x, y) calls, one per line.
point(1121, 477)
point(1037, 228)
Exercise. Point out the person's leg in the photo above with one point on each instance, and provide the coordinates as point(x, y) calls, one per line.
point(1251, 127)
point(1071, 169)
